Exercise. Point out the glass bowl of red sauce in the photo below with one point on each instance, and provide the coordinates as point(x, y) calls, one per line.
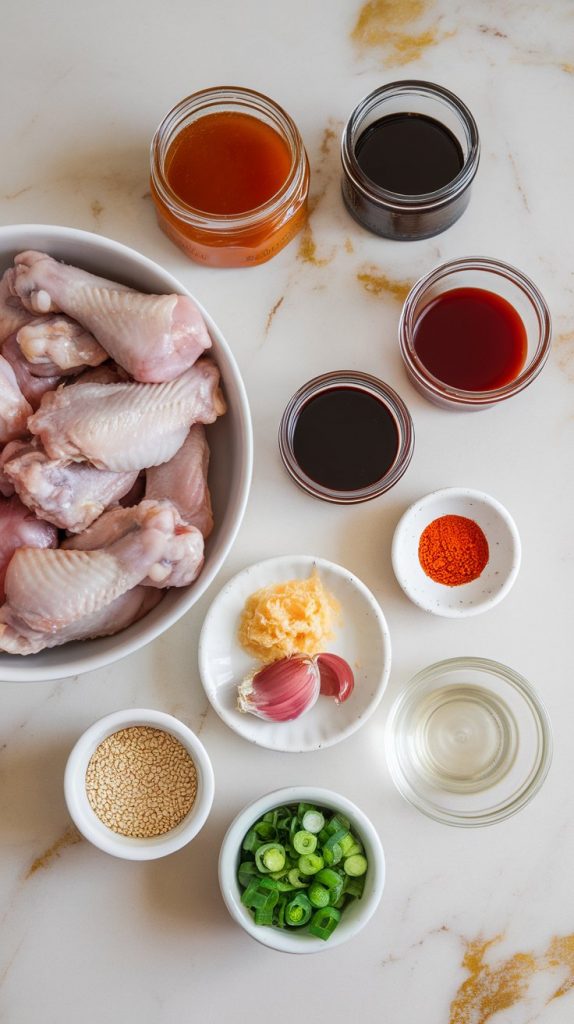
point(473, 333)
point(229, 177)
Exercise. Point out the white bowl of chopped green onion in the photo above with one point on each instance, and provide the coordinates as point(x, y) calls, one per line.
point(301, 869)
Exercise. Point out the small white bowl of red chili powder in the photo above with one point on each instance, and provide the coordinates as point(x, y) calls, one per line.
point(456, 552)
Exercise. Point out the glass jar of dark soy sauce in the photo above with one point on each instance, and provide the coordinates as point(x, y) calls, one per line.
point(410, 152)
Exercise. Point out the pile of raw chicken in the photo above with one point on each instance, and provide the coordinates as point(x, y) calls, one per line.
point(104, 393)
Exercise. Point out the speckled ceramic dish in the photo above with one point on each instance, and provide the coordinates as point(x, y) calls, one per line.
point(498, 575)
point(362, 639)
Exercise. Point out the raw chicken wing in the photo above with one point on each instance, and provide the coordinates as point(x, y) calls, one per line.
point(50, 590)
point(126, 427)
point(57, 345)
point(31, 386)
point(14, 409)
point(20, 528)
point(16, 637)
point(183, 480)
point(183, 554)
point(70, 495)
point(12, 312)
point(154, 337)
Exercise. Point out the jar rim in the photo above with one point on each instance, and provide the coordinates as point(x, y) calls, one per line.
point(253, 101)
point(361, 382)
point(433, 384)
point(396, 200)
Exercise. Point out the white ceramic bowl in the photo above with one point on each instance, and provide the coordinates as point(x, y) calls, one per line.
point(230, 439)
point(353, 918)
point(87, 821)
point(497, 576)
point(362, 639)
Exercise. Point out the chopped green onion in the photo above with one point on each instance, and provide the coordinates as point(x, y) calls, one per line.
point(251, 841)
point(347, 842)
point(295, 878)
point(324, 922)
point(303, 808)
point(337, 822)
point(355, 865)
point(354, 886)
point(270, 857)
point(310, 863)
point(298, 911)
point(246, 871)
point(304, 842)
point(333, 881)
point(313, 821)
point(355, 848)
point(260, 892)
point(332, 852)
point(265, 830)
point(318, 895)
point(299, 871)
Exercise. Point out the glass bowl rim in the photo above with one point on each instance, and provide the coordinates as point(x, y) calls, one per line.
point(513, 803)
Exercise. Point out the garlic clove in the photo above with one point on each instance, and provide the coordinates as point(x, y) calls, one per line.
point(337, 679)
point(282, 690)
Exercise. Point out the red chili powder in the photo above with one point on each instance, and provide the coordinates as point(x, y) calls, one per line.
point(453, 550)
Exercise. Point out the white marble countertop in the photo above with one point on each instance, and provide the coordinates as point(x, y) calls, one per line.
point(475, 926)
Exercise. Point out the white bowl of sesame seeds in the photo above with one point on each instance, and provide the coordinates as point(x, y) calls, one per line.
point(139, 784)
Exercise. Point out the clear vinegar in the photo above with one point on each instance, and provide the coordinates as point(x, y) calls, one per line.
point(461, 738)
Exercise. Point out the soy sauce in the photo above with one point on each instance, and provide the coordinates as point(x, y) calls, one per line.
point(471, 339)
point(410, 154)
point(345, 439)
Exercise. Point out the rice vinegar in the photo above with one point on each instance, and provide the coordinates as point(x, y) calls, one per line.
point(461, 738)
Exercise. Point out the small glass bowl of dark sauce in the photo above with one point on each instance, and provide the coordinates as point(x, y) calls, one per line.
point(410, 151)
point(346, 437)
point(473, 333)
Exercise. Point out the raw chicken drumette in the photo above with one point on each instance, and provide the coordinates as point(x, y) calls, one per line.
point(65, 593)
point(154, 337)
point(71, 495)
point(183, 480)
point(126, 427)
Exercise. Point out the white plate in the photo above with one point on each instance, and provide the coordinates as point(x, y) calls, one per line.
point(362, 639)
point(499, 573)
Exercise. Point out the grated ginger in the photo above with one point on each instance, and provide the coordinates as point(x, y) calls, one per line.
point(294, 617)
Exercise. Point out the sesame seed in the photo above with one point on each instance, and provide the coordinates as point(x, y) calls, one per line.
point(141, 782)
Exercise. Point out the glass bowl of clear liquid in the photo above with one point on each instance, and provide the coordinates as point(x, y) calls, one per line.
point(468, 742)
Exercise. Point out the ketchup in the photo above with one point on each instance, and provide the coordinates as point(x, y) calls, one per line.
point(471, 339)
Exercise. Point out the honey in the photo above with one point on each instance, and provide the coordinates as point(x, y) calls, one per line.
point(199, 159)
point(229, 177)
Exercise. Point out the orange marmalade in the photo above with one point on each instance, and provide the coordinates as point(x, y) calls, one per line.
point(229, 177)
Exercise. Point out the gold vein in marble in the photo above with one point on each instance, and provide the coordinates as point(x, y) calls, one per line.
point(391, 26)
point(564, 348)
point(376, 282)
point(69, 837)
point(272, 313)
point(490, 989)
point(97, 209)
point(324, 173)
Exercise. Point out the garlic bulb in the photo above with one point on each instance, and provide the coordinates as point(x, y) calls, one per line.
point(337, 679)
point(282, 690)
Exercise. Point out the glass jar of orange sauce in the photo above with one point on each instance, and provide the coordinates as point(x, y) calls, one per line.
point(229, 177)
